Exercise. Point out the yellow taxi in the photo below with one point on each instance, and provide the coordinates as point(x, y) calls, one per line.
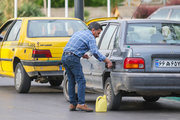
point(31, 49)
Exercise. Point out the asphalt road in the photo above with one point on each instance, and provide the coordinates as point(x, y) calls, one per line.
point(46, 103)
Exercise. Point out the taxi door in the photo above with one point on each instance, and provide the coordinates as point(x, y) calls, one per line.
point(3, 31)
point(9, 44)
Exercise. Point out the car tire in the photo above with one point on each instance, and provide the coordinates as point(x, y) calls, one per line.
point(55, 81)
point(151, 98)
point(65, 87)
point(22, 81)
point(113, 101)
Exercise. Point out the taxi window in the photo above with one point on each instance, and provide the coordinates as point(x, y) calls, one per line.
point(13, 34)
point(54, 28)
point(5, 28)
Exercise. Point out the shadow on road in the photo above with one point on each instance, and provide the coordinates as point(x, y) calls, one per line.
point(138, 104)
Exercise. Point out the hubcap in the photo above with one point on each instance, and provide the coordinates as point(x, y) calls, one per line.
point(18, 78)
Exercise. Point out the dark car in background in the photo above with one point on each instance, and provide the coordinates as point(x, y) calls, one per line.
point(167, 12)
point(146, 61)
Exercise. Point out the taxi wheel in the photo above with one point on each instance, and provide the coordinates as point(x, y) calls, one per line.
point(151, 98)
point(21, 80)
point(55, 81)
point(65, 88)
point(113, 101)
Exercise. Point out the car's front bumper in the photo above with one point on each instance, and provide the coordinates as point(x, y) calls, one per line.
point(146, 83)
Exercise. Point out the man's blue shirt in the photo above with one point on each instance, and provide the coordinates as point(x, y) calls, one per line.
point(81, 42)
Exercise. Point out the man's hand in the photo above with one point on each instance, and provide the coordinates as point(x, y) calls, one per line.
point(85, 56)
point(108, 62)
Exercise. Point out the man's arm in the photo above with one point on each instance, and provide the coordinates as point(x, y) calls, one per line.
point(98, 55)
point(108, 62)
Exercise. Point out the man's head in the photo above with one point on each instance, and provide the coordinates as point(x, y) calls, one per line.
point(95, 28)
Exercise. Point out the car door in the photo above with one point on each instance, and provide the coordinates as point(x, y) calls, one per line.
point(9, 44)
point(86, 63)
point(105, 48)
point(3, 31)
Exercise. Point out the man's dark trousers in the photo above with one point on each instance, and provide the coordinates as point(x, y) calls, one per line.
point(75, 75)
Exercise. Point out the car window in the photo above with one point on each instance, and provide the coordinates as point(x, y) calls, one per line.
point(13, 34)
point(175, 15)
point(113, 40)
point(98, 38)
point(117, 37)
point(54, 28)
point(108, 36)
point(5, 28)
point(150, 33)
point(160, 14)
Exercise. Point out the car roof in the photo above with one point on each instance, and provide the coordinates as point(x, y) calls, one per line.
point(170, 7)
point(143, 21)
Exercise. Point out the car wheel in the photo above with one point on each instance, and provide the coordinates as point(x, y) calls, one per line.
point(113, 101)
point(65, 87)
point(21, 80)
point(55, 81)
point(151, 98)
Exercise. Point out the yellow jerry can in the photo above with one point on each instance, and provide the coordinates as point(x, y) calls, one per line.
point(101, 104)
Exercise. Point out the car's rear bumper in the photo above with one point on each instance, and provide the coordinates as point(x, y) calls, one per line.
point(146, 83)
point(41, 63)
point(45, 73)
point(43, 68)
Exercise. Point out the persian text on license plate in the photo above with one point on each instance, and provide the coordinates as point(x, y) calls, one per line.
point(167, 63)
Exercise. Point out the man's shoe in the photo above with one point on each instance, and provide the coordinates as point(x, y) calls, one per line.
point(72, 107)
point(83, 108)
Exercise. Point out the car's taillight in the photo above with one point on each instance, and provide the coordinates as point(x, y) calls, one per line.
point(41, 54)
point(134, 63)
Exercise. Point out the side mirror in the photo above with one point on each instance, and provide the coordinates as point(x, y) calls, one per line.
point(1, 38)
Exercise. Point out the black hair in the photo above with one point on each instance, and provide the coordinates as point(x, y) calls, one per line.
point(95, 25)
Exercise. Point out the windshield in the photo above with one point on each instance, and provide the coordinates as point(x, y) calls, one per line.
point(54, 28)
point(150, 33)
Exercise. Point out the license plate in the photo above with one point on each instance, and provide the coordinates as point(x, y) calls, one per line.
point(61, 67)
point(167, 63)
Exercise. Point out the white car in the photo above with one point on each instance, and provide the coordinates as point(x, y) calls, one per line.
point(167, 12)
